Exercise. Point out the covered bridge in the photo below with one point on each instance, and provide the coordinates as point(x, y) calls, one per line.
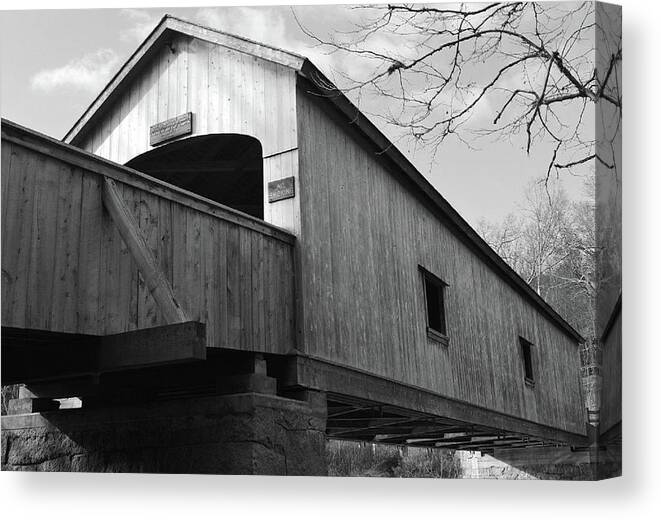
point(221, 221)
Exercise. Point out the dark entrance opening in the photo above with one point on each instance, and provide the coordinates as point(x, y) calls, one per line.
point(226, 168)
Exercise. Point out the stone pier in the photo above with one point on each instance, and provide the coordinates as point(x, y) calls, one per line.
point(239, 434)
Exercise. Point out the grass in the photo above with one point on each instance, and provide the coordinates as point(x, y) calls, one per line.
point(364, 459)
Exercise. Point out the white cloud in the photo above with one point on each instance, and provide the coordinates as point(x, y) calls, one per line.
point(276, 26)
point(142, 24)
point(264, 25)
point(90, 72)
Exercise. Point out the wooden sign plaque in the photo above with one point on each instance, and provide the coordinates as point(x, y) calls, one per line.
point(281, 189)
point(174, 127)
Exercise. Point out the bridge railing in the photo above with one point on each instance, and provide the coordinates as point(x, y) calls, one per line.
point(93, 247)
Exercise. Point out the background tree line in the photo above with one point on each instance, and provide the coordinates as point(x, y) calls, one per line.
point(551, 244)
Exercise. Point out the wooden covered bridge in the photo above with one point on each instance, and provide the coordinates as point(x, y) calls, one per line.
point(222, 222)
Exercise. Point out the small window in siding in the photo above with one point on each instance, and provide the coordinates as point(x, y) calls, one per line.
point(434, 289)
point(526, 353)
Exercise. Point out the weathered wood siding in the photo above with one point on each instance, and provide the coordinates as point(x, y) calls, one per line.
point(608, 215)
point(227, 91)
point(363, 236)
point(608, 181)
point(65, 267)
point(611, 393)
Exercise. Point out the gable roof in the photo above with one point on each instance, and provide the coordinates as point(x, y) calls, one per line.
point(166, 28)
point(317, 81)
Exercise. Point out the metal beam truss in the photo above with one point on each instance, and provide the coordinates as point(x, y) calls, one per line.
point(361, 420)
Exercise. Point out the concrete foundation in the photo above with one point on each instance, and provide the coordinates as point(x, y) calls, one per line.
point(537, 464)
point(240, 434)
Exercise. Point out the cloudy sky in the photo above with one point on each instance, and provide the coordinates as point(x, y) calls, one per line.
point(54, 62)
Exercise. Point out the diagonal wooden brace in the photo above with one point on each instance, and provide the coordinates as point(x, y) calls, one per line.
point(155, 280)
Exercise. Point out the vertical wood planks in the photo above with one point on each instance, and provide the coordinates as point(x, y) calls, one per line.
point(65, 258)
point(258, 247)
point(19, 177)
point(89, 254)
point(5, 162)
point(193, 265)
point(233, 286)
point(611, 410)
point(228, 92)
point(363, 236)
point(67, 267)
point(39, 294)
point(220, 266)
point(245, 287)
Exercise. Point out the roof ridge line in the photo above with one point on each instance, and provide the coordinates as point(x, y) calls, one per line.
point(232, 35)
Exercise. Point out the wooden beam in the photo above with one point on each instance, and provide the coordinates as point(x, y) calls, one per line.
point(31, 356)
point(155, 280)
point(154, 346)
point(338, 380)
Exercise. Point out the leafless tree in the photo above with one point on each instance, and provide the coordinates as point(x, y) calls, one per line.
point(498, 69)
point(8, 392)
point(505, 238)
point(551, 244)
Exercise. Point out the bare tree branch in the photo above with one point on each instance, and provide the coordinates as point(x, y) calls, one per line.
point(532, 64)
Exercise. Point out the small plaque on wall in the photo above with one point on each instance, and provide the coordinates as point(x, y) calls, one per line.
point(174, 127)
point(281, 189)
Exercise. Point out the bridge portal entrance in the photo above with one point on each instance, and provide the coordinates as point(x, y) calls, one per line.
point(226, 168)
